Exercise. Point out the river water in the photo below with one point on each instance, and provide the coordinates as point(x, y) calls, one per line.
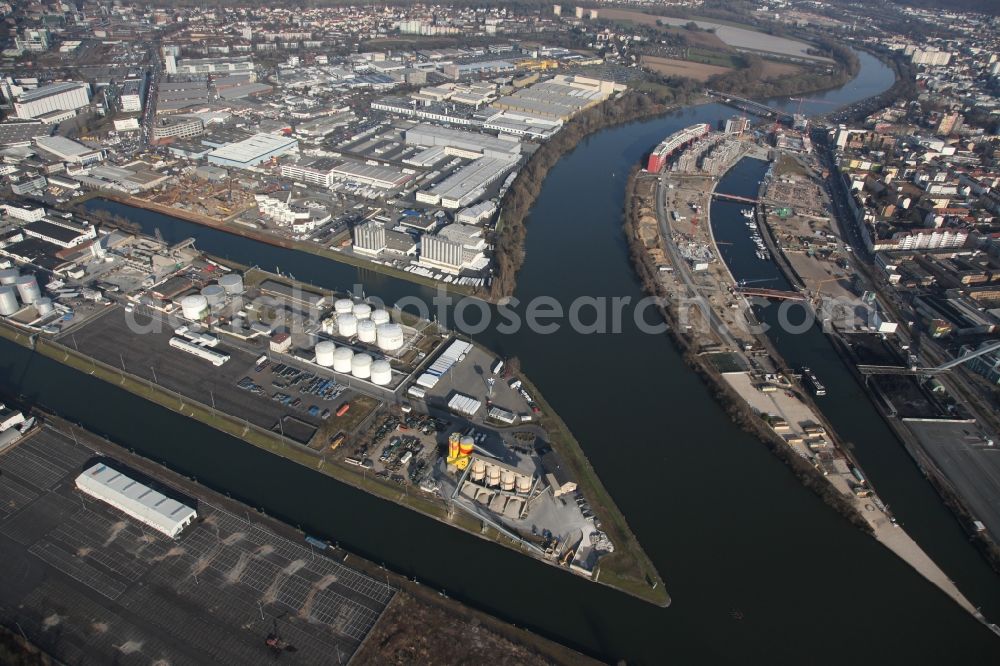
point(757, 567)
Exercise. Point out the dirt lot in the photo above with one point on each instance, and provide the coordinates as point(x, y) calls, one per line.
point(775, 70)
point(414, 632)
point(685, 68)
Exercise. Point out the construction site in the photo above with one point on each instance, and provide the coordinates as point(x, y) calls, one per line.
point(797, 213)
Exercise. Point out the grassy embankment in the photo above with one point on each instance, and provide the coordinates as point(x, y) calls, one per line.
point(629, 568)
point(355, 476)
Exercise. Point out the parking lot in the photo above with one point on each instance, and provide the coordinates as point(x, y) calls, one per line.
point(148, 356)
point(95, 586)
point(470, 377)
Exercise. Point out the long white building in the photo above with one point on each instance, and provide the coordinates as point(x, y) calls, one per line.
point(136, 499)
point(66, 96)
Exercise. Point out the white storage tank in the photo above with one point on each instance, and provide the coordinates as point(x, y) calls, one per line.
point(8, 300)
point(347, 325)
point(342, 358)
point(324, 353)
point(27, 288)
point(390, 337)
point(524, 484)
point(381, 373)
point(194, 306)
point(9, 276)
point(366, 330)
point(361, 366)
point(343, 306)
point(44, 306)
point(215, 295)
point(380, 317)
point(232, 283)
point(362, 311)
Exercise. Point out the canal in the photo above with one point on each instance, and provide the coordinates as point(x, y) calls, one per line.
point(757, 567)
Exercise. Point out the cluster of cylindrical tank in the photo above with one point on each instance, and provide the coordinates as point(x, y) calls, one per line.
point(498, 477)
point(14, 286)
point(370, 326)
point(344, 360)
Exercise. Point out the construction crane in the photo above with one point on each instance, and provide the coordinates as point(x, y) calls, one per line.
point(819, 287)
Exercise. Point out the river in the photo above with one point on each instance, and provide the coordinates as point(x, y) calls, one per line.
point(757, 567)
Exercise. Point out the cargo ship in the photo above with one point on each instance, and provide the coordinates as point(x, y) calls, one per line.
point(673, 143)
point(813, 381)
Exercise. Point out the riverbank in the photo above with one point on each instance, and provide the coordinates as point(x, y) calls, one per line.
point(687, 336)
point(628, 569)
point(519, 199)
point(442, 617)
point(274, 240)
point(949, 494)
point(840, 485)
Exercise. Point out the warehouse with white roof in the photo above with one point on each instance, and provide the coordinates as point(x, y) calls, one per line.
point(139, 501)
point(252, 151)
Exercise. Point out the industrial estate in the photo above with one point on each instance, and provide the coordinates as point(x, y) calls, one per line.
point(404, 147)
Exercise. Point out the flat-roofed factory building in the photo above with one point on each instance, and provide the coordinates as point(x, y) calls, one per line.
point(250, 152)
point(135, 499)
point(65, 96)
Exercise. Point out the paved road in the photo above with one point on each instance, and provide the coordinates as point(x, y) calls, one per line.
point(681, 267)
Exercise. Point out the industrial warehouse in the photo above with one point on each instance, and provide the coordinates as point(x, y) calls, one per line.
point(334, 376)
point(103, 549)
point(139, 501)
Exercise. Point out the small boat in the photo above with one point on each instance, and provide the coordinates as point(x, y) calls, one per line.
point(747, 213)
